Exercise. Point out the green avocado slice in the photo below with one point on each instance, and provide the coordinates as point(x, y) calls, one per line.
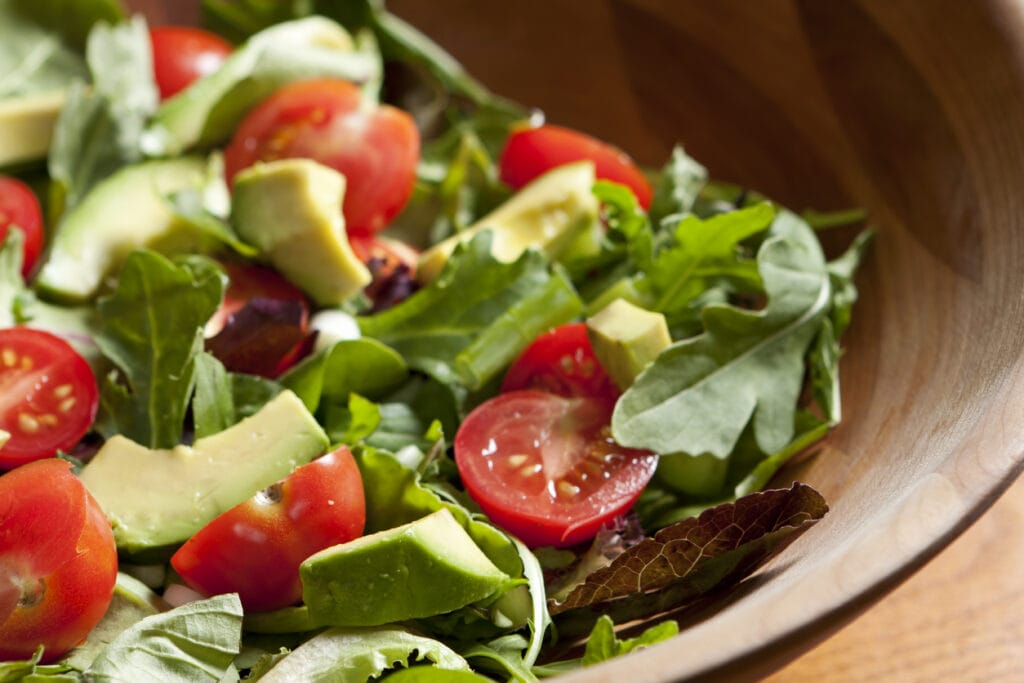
point(427, 567)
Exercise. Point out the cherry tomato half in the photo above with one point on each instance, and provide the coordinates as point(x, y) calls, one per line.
point(19, 206)
point(182, 55)
point(58, 562)
point(48, 395)
point(255, 548)
point(377, 148)
point(530, 152)
point(561, 361)
point(545, 468)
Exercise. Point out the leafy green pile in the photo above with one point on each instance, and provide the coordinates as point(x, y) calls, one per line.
point(755, 309)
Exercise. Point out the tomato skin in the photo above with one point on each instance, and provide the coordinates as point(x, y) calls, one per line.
point(531, 152)
point(58, 561)
point(19, 206)
point(182, 55)
point(377, 148)
point(256, 547)
point(561, 361)
point(48, 395)
point(545, 468)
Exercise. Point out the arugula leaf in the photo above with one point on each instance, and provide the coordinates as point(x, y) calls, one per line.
point(690, 558)
point(354, 422)
point(360, 654)
point(503, 655)
point(473, 320)
point(213, 406)
point(151, 329)
point(824, 355)
point(677, 188)
point(362, 366)
point(603, 644)
point(700, 393)
point(100, 127)
point(207, 112)
point(11, 284)
point(194, 642)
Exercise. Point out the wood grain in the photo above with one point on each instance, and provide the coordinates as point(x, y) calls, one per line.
point(961, 618)
point(912, 110)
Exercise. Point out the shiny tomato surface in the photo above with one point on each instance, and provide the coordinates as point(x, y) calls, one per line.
point(182, 55)
point(531, 152)
point(58, 562)
point(48, 395)
point(20, 207)
point(255, 548)
point(376, 147)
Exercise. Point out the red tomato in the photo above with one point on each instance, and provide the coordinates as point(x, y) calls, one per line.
point(182, 55)
point(19, 206)
point(545, 468)
point(561, 361)
point(377, 148)
point(58, 562)
point(48, 395)
point(255, 548)
point(531, 152)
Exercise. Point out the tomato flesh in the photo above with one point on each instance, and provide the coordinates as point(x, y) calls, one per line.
point(20, 207)
point(255, 548)
point(531, 152)
point(182, 55)
point(48, 395)
point(58, 561)
point(561, 361)
point(376, 147)
point(545, 468)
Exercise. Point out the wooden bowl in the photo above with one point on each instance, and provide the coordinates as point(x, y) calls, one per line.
point(912, 110)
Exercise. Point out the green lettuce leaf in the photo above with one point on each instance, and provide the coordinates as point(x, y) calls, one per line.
point(12, 286)
point(603, 644)
point(473, 320)
point(151, 330)
point(194, 642)
point(677, 188)
point(688, 559)
point(700, 393)
point(343, 655)
point(363, 366)
point(823, 358)
point(99, 128)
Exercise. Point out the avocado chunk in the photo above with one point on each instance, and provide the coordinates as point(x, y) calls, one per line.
point(124, 212)
point(427, 567)
point(156, 498)
point(26, 126)
point(548, 214)
point(291, 210)
point(626, 339)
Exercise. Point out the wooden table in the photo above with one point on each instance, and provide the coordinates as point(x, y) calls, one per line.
point(961, 618)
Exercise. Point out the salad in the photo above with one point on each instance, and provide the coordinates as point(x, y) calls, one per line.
point(324, 362)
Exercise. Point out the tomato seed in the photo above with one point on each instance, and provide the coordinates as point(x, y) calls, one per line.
point(567, 490)
point(67, 404)
point(9, 357)
point(531, 470)
point(27, 423)
point(48, 419)
point(63, 391)
point(518, 460)
point(26, 363)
